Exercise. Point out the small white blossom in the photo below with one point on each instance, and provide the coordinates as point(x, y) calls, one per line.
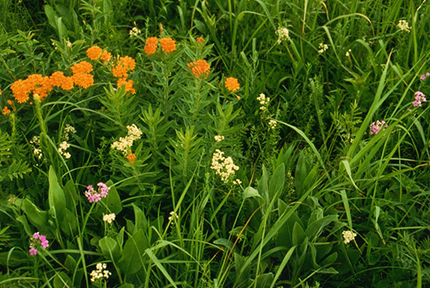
point(272, 124)
point(348, 236)
point(100, 272)
point(283, 34)
point(223, 166)
point(323, 48)
point(219, 138)
point(109, 218)
point(404, 26)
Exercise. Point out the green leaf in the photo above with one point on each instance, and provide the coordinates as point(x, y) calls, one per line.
point(61, 280)
point(110, 248)
point(112, 200)
point(276, 184)
point(249, 192)
point(298, 234)
point(56, 197)
point(133, 253)
point(37, 217)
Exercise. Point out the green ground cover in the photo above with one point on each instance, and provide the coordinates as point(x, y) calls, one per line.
point(214, 143)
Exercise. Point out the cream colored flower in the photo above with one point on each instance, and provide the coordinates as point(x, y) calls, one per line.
point(109, 218)
point(348, 236)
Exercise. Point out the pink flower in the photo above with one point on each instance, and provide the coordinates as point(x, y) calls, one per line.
point(33, 251)
point(423, 77)
point(95, 196)
point(419, 97)
point(37, 240)
point(375, 127)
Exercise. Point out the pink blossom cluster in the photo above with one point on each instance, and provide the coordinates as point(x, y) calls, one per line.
point(423, 77)
point(95, 196)
point(419, 97)
point(375, 127)
point(37, 240)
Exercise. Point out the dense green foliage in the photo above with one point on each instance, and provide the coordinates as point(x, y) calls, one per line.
point(289, 181)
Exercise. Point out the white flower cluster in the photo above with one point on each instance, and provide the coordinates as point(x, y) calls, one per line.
point(35, 144)
point(173, 216)
point(64, 145)
point(237, 182)
point(109, 218)
point(263, 101)
point(135, 31)
point(219, 138)
point(124, 143)
point(404, 26)
point(323, 48)
point(100, 272)
point(223, 166)
point(348, 53)
point(283, 34)
point(348, 236)
point(272, 124)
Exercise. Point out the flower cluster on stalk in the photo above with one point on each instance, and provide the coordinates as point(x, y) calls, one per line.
point(37, 240)
point(223, 166)
point(375, 127)
point(264, 101)
point(95, 196)
point(100, 272)
point(348, 236)
point(200, 68)
point(419, 98)
point(124, 143)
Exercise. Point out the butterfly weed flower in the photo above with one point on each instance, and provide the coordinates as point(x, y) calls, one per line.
point(6, 110)
point(94, 52)
point(151, 45)
point(168, 44)
point(200, 68)
point(200, 40)
point(232, 84)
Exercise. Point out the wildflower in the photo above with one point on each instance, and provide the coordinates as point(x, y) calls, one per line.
point(232, 84)
point(404, 26)
point(83, 79)
point(95, 196)
point(168, 44)
point(200, 39)
point(120, 71)
point(151, 45)
point(131, 158)
point(57, 78)
point(37, 240)
point(82, 67)
point(94, 52)
point(128, 85)
point(109, 218)
point(272, 124)
point(264, 101)
point(35, 144)
point(67, 83)
point(323, 48)
point(106, 56)
point(69, 44)
point(419, 96)
point(237, 182)
point(128, 62)
point(223, 166)
point(173, 216)
point(126, 142)
point(219, 138)
point(347, 54)
point(100, 272)
point(199, 68)
point(348, 236)
point(6, 110)
point(134, 31)
point(283, 34)
point(375, 127)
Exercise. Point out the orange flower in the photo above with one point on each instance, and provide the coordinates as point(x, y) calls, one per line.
point(9, 102)
point(67, 83)
point(128, 62)
point(131, 158)
point(128, 85)
point(20, 90)
point(6, 110)
point(119, 71)
point(83, 79)
point(106, 56)
point(82, 68)
point(57, 78)
point(151, 45)
point(199, 68)
point(168, 44)
point(200, 39)
point(232, 84)
point(94, 52)
point(0, 91)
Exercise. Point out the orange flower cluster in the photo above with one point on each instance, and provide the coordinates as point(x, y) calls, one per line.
point(96, 52)
point(131, 158)
point(6, 110)
point(199, 68)
point(81, 74)
point(124, 64)
point(35, 83)
point(200, 39)
point(151, 45)
point(232, 84)
point(168, 44)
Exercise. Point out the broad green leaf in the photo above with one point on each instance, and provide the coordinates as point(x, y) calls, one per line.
point(37, 217)
point(70, 224)
point(276, 183)
point(133, 253)
point(56, 197)
point(112, 200)
point(250, 192)
point(298, 234)
point(61, 280)
point(110, 248)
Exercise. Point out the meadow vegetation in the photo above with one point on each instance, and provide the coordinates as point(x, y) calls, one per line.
point(214, 143)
